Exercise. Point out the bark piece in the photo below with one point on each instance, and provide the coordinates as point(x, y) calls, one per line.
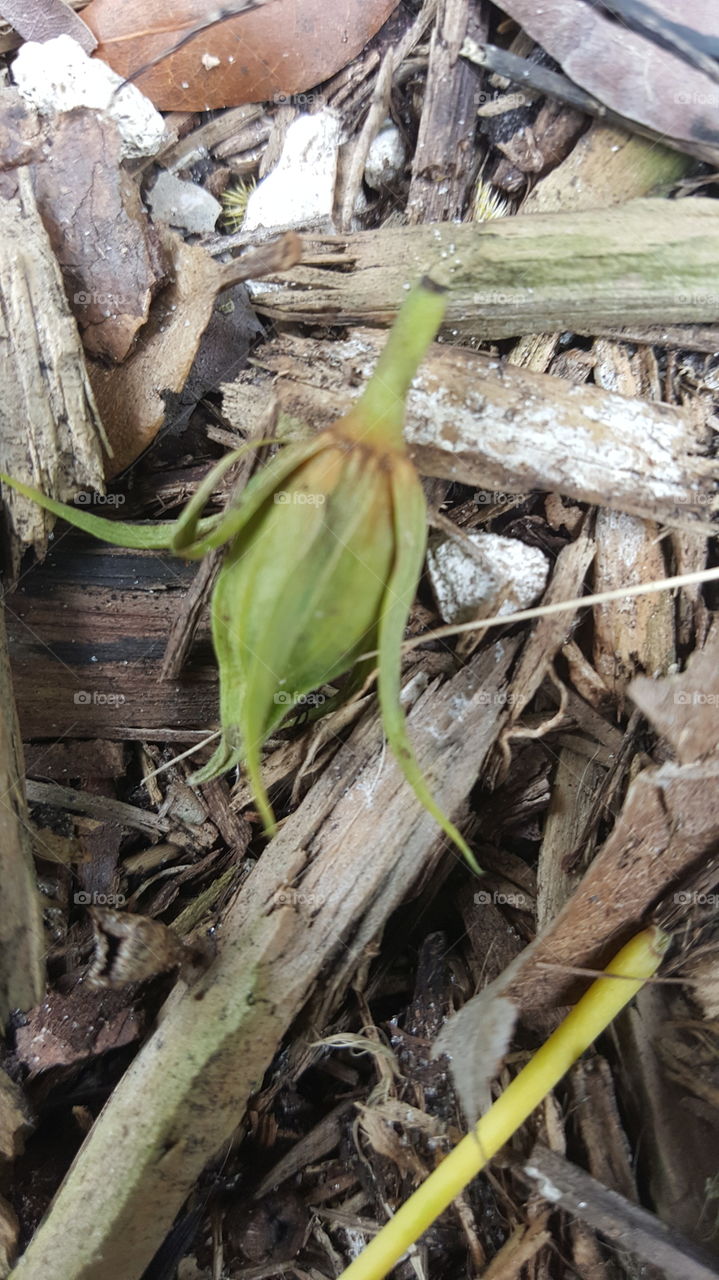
point(50, 430)
point(22, 134)
point(668, 826)
point(552, 632)
point(444, 162)
point(100, 807)
point(636, 634)
point(535, 147)
point(22, 937)
point(618, 1220)
point(679, 1135)
point(99, 230)
point(648, 262)
point(131, 397)
point(86, 636)
point(633, 635)
point(14, 1118)
point(473, 419)
point(595, 1115)
point(9, 1236)
point(353, 168)
point(605, 167)
point(668, 823)
point(61, 761)
point(575, 785)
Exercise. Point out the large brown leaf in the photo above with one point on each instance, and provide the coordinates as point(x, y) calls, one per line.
point(628, 72)
point(280, 48)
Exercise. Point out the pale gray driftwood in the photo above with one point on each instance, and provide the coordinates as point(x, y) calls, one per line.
point(493, 425)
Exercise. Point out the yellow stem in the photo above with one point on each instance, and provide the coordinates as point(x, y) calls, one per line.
point(606, 997)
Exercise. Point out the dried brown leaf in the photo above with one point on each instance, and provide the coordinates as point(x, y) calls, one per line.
point(100, 232)
point(685, 707)
point(130, 397)
point(629, 73)
point(68, 1029)
point(45, 19)
point(281, 48)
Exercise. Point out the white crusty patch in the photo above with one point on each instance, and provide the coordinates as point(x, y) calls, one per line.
point(513, 576)
point(299, 192)
point(58, 76)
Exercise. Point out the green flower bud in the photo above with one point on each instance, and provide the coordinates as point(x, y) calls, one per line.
point(325, 548)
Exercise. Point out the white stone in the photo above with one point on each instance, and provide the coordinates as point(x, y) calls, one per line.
point(386, 158)
point(513, 577)
point(299, 192)
point(58, 76)
point(183, 204)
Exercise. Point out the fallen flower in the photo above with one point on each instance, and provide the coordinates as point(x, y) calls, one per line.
point(325, 547)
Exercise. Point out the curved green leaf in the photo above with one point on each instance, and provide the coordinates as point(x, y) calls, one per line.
point(410, 515)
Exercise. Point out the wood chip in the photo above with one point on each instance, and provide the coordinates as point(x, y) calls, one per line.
point(60, 447)
point(624, 1224)
point(475, 419)
point(22, 939)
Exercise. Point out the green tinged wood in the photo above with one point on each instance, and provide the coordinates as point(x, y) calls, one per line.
point(644, 262)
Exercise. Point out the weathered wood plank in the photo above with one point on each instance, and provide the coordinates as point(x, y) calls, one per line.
point(87, 632)
point(643, 263)
point(487, 423)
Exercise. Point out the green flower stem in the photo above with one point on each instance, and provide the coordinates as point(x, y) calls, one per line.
point(378, 417)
